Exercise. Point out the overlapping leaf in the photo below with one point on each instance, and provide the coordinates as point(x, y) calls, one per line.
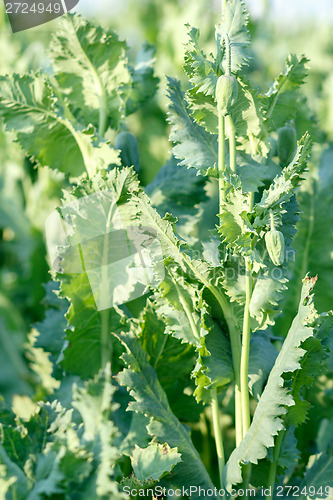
point(193, 145)
point(280, 103)
point(149, 398)
point(29, 107)
point(234, 24)
point(276, 398)
point(91, 69)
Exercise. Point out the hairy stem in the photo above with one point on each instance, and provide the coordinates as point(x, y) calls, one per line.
point(246, 349)
point(221, 161)
point(273, 467)
point(234, 335)
point(218, 435)
point(232, 143)
point(227, 54)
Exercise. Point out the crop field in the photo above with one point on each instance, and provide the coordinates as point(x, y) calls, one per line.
point(166, 253)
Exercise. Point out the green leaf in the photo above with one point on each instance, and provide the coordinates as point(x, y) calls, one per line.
point(154, 461)
point(282, 100)
point(173, 361)
point(177, 305)
point(129, 150)
point(214, 368)
point(29, 107)
point(149, 398)
point(144, 83)
point(319, 475)
point(312, 367)
point(233, 24)
point(193, 145)
point(313, 242)
point(281, 189)
point(84, 326)
point(235, 227)
point(200, 70)
point(276, 398)
point(262, 357)
point(179, 191)
point(91, 71)
point(94, 403)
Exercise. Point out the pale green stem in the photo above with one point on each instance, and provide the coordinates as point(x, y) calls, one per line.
point(232, 143)
point(274, 464)
point(224, 5)
point(251, 201)
point(218, 435)
point(271, 216)
point(234, 335)
point(106, 339)
point(221, 161)
point(227, 54)
point(106, 344)
point(246, 349)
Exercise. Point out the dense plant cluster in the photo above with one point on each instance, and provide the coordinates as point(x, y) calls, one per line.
point(217, 374)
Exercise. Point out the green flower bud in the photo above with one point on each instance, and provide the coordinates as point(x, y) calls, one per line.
point(275, 246)
point(287, 145)
point(226, 93)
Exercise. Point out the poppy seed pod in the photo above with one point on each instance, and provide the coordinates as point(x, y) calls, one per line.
point(226, 93)
point(275, 246)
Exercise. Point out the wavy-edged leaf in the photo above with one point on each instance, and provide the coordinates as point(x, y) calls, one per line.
point(149, 398)
point(276, 398)
point(154, 462)
point(91, 70)
point(214, 367)
point(193, 145)
point(313, 242)
point(312, 366)
point(200, 70)
point(319, 475)
point(246, 114)
point(234, 24)
point(262, 358)
point(29, 107)
point(281, 189)
point(280, 103)
point(176, 303)
point(173, 362)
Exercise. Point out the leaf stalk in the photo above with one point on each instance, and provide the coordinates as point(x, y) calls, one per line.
point(218, 435)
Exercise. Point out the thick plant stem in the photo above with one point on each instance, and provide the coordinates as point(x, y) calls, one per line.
point(251, 201)
point(234, 335)
point(218, 435)
point(106, 340)
point(273, 467)
point(232, 143)
point(236, 359)
point(221, 161)
point(227, 54)
point(246, 349)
